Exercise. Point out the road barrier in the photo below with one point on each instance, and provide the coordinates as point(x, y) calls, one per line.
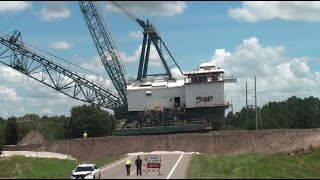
point(153, 164)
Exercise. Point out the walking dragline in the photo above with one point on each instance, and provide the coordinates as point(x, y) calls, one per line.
point(149, 104)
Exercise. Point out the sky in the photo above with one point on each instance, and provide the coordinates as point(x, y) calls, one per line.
point(276, 42)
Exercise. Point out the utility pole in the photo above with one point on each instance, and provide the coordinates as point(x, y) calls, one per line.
point(246, 96)
point(246, 102)
point(260, 119)
point(231, 106)
point(255, 100)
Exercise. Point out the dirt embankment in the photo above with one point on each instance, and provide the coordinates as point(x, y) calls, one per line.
point(216, 142)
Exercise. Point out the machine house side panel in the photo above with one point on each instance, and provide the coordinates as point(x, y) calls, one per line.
point(155, 98)
point(204, 95)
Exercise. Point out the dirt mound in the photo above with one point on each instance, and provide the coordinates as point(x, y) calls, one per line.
point(33, 137)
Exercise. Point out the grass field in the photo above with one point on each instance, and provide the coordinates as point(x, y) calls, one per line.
point(22, 167)
point(252, 165)
point(255, 165)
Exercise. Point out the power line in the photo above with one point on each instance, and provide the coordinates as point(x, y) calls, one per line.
point(25, 11)
point(66, 61)
point(11, 10)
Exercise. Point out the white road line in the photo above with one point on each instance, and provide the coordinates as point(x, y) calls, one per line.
point(132, 173)
point(168, 177)
point(116, 163)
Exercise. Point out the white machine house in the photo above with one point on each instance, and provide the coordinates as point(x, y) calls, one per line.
point(196, 96)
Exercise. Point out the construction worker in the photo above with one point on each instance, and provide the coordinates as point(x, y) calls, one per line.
point(128, 165)
point(85, 135)
point(138, 163)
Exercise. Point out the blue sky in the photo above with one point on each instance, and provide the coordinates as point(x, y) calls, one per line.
point(275, 41)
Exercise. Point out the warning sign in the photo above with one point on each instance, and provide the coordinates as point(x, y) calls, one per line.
point(154, 161)
point(153, 165)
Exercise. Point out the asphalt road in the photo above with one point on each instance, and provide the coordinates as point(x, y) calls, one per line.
point(173, 166)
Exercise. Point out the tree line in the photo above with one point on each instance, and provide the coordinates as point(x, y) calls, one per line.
point(293, 113)
point(90, 118)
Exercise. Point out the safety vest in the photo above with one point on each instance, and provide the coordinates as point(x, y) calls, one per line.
point(85, 135)
point(128, 162)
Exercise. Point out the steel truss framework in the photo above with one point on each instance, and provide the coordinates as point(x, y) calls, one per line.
point(105, 46)
point(150, 35)
point(16, 55)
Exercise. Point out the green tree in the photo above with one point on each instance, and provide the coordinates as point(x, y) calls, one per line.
point(2, 133)
point(29, 117)
point(1, 120)
point(45, 117)
point(95, 121)
point(291, 113)
point(11, 131)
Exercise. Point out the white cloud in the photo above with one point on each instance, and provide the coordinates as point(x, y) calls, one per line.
point(278, 76)
point(14, 5)
point(135, 35)
point(253, 11)
point(9, 75)
point(60, 45)
point(20, 94)
point(154, 59)
point(220, 55)
point(94, 64)
point(252, 52)
point(176, 72)
point(300, 67)
point(97, 74)
point(131, 58)
point(46, 111)
point(55, 10)
point(151, 8)
point(106, 83)
point(8, 95)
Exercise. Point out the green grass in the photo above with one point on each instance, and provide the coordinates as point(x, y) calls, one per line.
point(22, 167)
point(255, 165)
point(106, 160)
point(252, 165)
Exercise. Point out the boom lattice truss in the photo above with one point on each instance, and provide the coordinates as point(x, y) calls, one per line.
point(105, 46)
point(15, 54)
